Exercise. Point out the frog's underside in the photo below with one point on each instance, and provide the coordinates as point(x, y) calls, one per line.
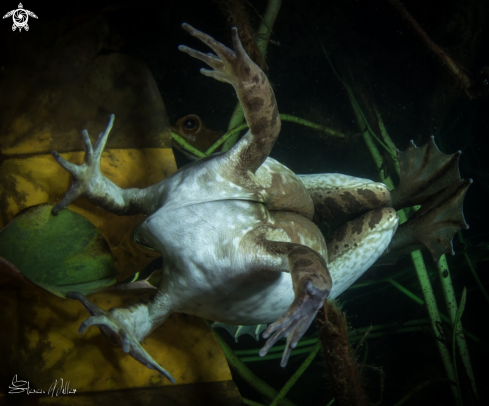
point(237, 231)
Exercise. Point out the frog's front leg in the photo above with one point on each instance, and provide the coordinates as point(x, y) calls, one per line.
point(255, 94)
point(126, 327)
point(89, 182)
point(312, 283)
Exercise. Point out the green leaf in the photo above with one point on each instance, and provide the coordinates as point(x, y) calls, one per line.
point(59, 253)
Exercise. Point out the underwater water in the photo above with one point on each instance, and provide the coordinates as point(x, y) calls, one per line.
point(369, 77)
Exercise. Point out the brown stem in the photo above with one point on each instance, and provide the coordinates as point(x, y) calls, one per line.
point(343, 373)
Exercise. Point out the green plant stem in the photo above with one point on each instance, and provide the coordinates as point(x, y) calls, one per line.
point(245, 373)
point(367, 137)
point(456, 325)
point(297, 374)
point(421, 302)
point(387, 139)
point(185, 145)
point(457, 329)
point(285, 117)
point(225, 137)
point(432, 308)
point(307, 123)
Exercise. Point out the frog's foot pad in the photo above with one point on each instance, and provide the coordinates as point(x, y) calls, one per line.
point(116, 331)
point(294, 323)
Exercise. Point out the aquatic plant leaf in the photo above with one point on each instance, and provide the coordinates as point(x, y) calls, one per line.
point(60, 253)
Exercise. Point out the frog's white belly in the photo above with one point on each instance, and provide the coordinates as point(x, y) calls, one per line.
point(257, 302)
point(212, 268)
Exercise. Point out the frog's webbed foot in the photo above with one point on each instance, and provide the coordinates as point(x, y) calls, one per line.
point(424, 172)
point(430, 178)
point(87, 178)
point(293, 324)
point(312, 284)
point(116, 329)
point(434, 224)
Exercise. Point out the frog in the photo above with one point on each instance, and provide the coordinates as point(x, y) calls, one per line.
point(238, 231)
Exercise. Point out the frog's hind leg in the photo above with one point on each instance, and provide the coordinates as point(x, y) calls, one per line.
point(355, 246)
point(434, 224)
point(424, 172)
point(429, 178)
point(336, 196)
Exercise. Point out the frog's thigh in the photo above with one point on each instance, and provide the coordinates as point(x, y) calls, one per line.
point(335, 195)
point(354, 247)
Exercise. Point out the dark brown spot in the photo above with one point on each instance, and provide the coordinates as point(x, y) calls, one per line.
point(259, 127)
point(336, 247)
point(346, 245)
point(304, 263)
point(327, 209)
point(370, 197)
point(351, 204)
point(340, 234)
point(300, 251)
point(375, 218)
point(357, 225)
point(256, 78)
point(255, 104)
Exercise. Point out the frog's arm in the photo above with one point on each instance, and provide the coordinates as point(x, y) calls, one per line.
point(128, 326)
point(312, 284)
point(89, 182)
point(256, 97)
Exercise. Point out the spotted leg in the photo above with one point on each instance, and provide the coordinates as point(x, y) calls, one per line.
point(336, 196)
point(256, 97)
point(312, 284)
point(125, 327)
point(89, 182)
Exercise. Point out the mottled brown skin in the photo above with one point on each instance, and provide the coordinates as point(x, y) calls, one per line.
point(339, 202)
point(347, 237)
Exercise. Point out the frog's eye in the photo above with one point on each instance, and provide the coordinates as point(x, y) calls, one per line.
point(191, 124)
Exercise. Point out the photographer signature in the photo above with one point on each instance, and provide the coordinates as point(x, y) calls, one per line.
point(58, 387)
